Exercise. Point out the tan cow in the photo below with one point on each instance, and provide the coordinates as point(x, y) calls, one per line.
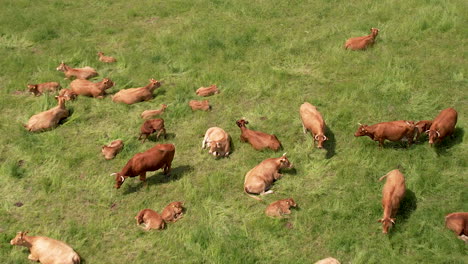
point(46, 250)
point(88, 88)
point(40, 88)
point(458, 223)
point(48, 119)
point(147, 114)
point(111, 150)
point(259, 179)
point(151, 219)
point(312, 120)
point(135, 95)
point(257, 139)
point(173, 212)
point(68, 94)
point(328, 260)
point(200, 105)
point(362, 43)
point(79, 73)
point(218, 141)
point(392, 194)
point(280, 207)
point(207, 91)
point(106, 59)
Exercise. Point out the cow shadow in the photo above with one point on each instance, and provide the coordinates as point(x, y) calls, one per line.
point(153, 137)
point(449, 142)
point(330, 144)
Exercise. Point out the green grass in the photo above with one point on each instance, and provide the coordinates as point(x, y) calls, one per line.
point(267, 58)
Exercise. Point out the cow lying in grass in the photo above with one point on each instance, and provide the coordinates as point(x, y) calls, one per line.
point(257, 139)
point(362, 43)
point(48, 119)
point(200, 105)
point(218, 141)
point(79, 73)
point(207, 91)
point(151, 219)
point(40, 88)
point(458, 223)
point(280, 208)
point(106, 59)
point(135, 95)
point(147, 114)
point(111, 150)
point(173, 212)
point(88, 88)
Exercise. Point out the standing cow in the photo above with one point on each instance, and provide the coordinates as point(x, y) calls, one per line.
point(394, 131)
point(442, 126)
point(312, 120)
point(392, 194)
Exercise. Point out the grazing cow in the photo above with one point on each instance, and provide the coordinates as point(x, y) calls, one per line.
point(150, 218)
point(393, 131)
point(173, 212)
point(442, 126)
point(88, 88)
point(421, 127)
point(218, 141)
point(111, 150)
point(200, 105)
point(312, 120)
point(280, 208)
point(328, 260)
point(458, 222)
point(362, 43)
point(40, 88)
point(157, 157)
point(207, 91)
point(68, 94)
point(392, 194)
point(259, 179)
point(46, 250)
point(135, 95)
point(106, 59)
point(151, 126)
point(79, 73)
point(147, 114)
point(48, 119)
point(257, 139)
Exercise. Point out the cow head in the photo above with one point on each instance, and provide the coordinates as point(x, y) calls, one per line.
point(154, 83)
point(107, 83)
point(62, 67)
point(217, 148)
point(119, 180)
point(362, 131)
point(291, 202)
point(284, 162)
point(32, 88)
point(320, 139)
point(434, 136)
point(19, 239)
point(386, 224)
point(374, 32)
point(100, 54)
point(242, 123)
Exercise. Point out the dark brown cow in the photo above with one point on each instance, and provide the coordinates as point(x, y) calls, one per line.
point(393, 131)
point(257, 139)
point(458, 222)
point(442, 126)
point(151, 126)
point(155, 158)
point(421, 127)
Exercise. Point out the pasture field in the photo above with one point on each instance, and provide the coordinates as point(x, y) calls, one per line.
point(267, 58)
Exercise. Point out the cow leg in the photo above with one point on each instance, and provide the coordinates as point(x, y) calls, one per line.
point(146, 137)
point(205, 140)
point(267, 192)
point(464, 238)
point(139, 138)
point(31, 257)
point(304, 129)
point(167, 169)
point(143, 177)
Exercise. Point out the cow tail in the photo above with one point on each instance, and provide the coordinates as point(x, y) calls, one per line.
point(381, 178)
point(252, 196)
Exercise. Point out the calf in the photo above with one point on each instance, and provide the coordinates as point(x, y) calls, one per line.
point(200, 105)
point(48, 119)
point(458, 222)
point(259, 179)
point(46, 250)
point(151, 126)
point(257, 139)
point(157, 157)
point(218, 141)
point(88, 88)
point(207, 91)
point(79, 73)
point(150, 218)
point(442, 126)
point(135, 95)
point(151, 113)
point(393, 131)
point(392, 194)
point(68, 94)
point(106, 59)
point(111, 150)
point(312, 120)
point(328, 260)
point(173, 212)
point(362, 43)
point(421, 127)
point(280, 208)
point(38, 89)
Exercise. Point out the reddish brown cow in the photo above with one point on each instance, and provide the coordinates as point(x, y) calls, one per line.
point(393, 131)
point(106, 59)
point(88, 88)
point(151, 126)
point(155, 158)
point(362, 43)
point(458, 222)
point(442, 126)
point(421, 127)
point(79, 73)
point(151, 219)
point(40, 88)
point(135, 95)
point(280, 207)
point(173, 212)
point(312, 120)
point(392, 193)
point(207, 91)
point(257, 139)
point(200, 105)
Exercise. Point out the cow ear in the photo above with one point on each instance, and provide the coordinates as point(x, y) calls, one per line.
point(392, 220)
point(380, 220)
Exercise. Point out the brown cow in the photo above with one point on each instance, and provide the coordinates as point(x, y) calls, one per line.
point(157, 157)
point(173, 212)
point(88, 88)
point(442, 126)
point(151, 113)
point(200, 105)
point(111, 150)
point(362, 43)
point(458, 222)
point(392, 193)
point(151, 126)
point(68, 94)
point(312, 120)
point(259, 179)
point(40, 88)
point(421, 127)
point(79, 73)
point(280, 208)
point(257, 139)
point(106, 59)
point(207, 91)
point(218, 141)
point(46, 250)
point(393, 131)
point(135, 95)
point(48, 119)
point(328, 260)
point(150, 218)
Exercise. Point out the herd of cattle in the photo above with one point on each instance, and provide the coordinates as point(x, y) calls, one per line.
point(258, 180)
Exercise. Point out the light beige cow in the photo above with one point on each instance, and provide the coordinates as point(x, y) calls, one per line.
point(218, 140)
point(312, 121)
point(48, 119)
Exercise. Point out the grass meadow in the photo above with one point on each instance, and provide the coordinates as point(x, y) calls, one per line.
point(267, 58)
